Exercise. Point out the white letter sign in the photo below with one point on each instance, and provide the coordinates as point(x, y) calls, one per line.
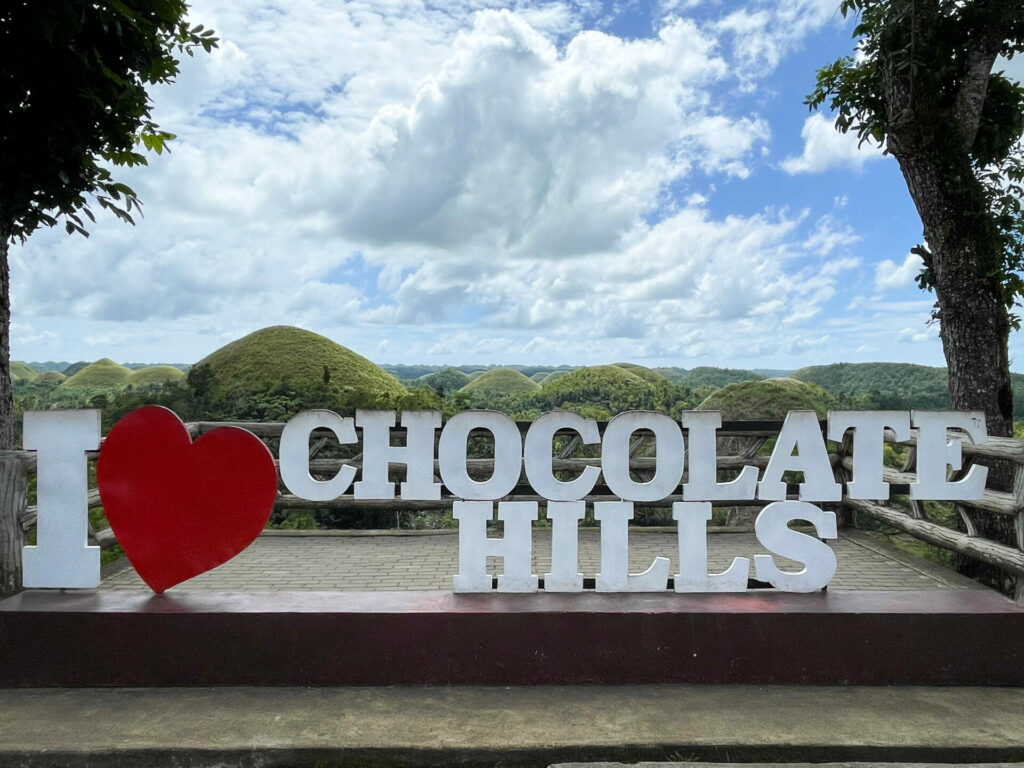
point(61, 556)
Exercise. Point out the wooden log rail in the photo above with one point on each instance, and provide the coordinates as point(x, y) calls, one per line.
point(17, 517)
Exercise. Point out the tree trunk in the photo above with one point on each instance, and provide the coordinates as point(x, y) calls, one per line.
point(6, 396)
point(967, 265)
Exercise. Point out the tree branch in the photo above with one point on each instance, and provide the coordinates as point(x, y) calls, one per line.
point(970, 97)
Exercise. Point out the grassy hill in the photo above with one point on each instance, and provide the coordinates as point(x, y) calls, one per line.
point(50, 378)
point(22, 372)
point(500, 381)
point(154, 375)
point(707, 376)
point(282, 354)
point(889, 385)
point(103, 374)
point(601, 391)
point(647, 374)
point(768, 399)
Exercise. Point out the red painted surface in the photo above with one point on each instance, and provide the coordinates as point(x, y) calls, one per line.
point(177, 507)
point(385, 638)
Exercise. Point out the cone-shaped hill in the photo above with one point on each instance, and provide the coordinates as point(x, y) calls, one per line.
point(651, 377)
point(501, 381)
point(769, 399)
point(104, 373)
point(51, 378)
point(283, 353)
point(154, 374)
point(22, 371)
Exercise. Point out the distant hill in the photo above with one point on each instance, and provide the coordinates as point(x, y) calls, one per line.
point(103, 374)
point(22, 371)
point(281, 354)
point(501, 381)
point(768, 399)
point(50, 378)
point(49, 365)
point(707, 376)
point(888, 385)
point(601, 391)
point(154, 375)
point(647, 374)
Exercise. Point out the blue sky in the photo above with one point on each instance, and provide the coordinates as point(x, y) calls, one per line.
point(471, 182)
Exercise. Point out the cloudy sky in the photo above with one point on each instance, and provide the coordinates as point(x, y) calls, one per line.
point(467, 182)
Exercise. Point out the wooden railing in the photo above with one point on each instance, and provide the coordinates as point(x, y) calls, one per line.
point(744, 438)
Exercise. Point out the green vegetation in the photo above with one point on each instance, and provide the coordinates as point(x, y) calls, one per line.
point(22, 372)
point(154, 376)
point(769, 399)
point(602, 391)
point(283, 353)
point(705, 376)
point(647, 374)
point(500, 381)
point(445, 380)
point(102, 374)
point(50, 378)
point(892, 386)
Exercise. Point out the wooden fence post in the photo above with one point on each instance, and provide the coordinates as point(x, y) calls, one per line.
point(13, 498)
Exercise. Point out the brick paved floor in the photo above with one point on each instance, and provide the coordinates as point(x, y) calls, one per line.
point(428, 560)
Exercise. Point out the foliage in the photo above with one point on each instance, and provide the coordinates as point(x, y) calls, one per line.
point(73, 94)
point(945, 51)
point(154, 375)
point(648, 375)
point(769, 399)
point(445, 381)
point(894, 386)
point(706, 376)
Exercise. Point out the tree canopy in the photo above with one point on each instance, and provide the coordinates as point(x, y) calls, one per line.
point(74, 105)
point(923, 86)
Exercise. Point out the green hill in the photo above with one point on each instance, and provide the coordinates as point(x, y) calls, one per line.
point(445, 380)
point(51, 378)
point(888, 385)
point(501, 381)
point(601, 391)
point(154, 375)
point(22, 372)
point(103, 374)
point(554, 376)
point(282, 355)
point(708, 376)
point(647, 374)
point(769, 399)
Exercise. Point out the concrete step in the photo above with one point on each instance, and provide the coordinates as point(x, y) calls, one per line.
point(532, 727)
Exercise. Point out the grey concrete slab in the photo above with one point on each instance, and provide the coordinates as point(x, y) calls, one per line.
point(389, 560)
point(498, 726)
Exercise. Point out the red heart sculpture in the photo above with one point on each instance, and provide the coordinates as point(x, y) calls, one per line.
point(179, 508)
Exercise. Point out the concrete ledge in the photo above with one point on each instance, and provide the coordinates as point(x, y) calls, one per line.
point(92, 638)
point(530, 727)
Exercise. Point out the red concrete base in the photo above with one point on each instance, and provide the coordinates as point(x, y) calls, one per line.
point(119, 638)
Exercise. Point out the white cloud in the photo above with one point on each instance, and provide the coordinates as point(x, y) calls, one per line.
point(456, 182)
point(826, 148)
point(892, 276)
